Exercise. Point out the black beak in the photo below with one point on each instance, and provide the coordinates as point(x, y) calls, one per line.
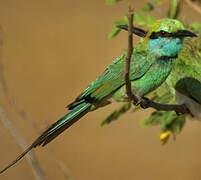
point(184, 33)
point(135, 30)
point(142, 33)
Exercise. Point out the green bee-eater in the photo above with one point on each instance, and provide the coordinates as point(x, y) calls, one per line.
point(184, 81)
point(151, 63)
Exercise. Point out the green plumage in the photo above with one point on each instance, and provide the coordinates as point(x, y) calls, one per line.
point(186, 73)
point(184, 78)
point(182, 86)
point(147, 72)
point(151, 63)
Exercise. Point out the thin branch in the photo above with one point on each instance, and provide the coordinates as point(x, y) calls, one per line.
point(10, 126)
point(178, 108)
point(194, 6)
point(8, 123)
point(135, 99)
point(21, 141)
point(144, 102)
point(63, 168)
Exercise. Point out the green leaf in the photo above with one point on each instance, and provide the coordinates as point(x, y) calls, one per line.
point(113, 33)
point(153, 119)
point(117, 113)
point(151, 20)
point(111, 1)
point(183, 19)
point(178, 124)
point(121, 22)
point(174, 9)
point(147, 7)
point(139, 19)
point(168, 120)
point(157, 2)
point(136, 108)
point(196, 26)
point(126, 18)
point(173, 122)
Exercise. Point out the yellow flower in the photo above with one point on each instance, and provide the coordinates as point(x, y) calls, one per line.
point(164, 136)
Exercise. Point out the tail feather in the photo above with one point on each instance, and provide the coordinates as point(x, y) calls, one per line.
point(54, 130)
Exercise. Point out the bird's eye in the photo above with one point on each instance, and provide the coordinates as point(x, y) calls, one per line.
point(163, 33)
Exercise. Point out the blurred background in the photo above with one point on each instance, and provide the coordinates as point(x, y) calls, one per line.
point(50, 51)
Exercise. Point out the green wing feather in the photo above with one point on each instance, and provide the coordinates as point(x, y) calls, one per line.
point(113, 78)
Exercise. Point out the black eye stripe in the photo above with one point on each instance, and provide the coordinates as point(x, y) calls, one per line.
point(155, 35)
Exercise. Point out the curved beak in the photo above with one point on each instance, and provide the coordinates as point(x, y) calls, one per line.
point(135, 30)
point(184, 33)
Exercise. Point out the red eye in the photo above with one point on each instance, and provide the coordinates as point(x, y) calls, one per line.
point(163, 33)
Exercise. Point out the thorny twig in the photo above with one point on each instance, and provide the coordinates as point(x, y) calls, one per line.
point(144, 102)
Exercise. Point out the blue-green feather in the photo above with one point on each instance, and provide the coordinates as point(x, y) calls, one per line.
point(113, 77)
point(165, 46)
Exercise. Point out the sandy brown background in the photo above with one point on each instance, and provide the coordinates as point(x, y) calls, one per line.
point(52, 50)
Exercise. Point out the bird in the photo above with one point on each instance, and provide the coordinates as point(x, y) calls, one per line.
point(184, 84)
point(184, 81)
point(151, 63)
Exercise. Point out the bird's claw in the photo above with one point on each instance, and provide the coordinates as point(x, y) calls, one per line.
point(182, 110)
point(137, 102)
point(178, 112)
point(142, 101)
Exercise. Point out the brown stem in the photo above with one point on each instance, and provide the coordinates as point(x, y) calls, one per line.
point(178, 108)
point(144, 102)
point(193, 6)
point(130, 95)
point(38, 173)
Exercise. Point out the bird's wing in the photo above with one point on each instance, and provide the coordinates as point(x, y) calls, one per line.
point(113, 78)
point(190, 87)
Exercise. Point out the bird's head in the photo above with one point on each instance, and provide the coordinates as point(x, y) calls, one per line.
point(165, 38)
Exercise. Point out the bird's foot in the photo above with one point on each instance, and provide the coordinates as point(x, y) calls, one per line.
point(137, 100)
point(179, 112)
point(144, 103)
point(182, 110)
